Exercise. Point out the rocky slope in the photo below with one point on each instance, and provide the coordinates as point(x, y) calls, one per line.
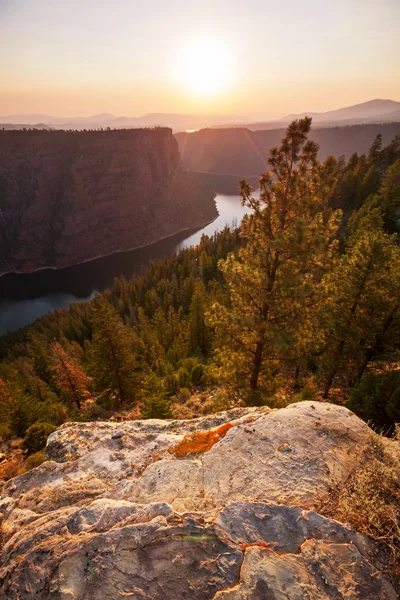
point(67, 197)
point(221, 507)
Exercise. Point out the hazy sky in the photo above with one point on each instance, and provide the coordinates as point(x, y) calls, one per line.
point(80, 57)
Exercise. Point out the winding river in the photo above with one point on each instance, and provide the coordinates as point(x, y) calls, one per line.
point(24, 298)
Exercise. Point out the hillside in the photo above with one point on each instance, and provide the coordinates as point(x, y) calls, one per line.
point(373, 109)
point(68, 197)
point(245, 153)
point(221, 507)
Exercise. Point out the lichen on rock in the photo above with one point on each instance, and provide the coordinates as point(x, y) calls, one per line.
point(199, 442)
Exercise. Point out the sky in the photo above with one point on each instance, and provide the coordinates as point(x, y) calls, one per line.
point(254, 58)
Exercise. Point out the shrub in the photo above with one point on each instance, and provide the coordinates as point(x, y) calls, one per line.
point(189, 363)
point(95, 411)
point(156, 405)
point(108, 401)
point(184, 378)
point(171, 384)
point(306, 393)
point(197, 374)
point(376, 398)
point(221, 401)
point(5, 432)
point(183, 395)
point(22, 414)
point(34, 460)
point(36, 436)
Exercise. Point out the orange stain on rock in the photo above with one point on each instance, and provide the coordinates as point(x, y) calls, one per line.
point(199, 442)
point(260, 543)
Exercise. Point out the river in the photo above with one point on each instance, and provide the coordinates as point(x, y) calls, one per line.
point(24, 298)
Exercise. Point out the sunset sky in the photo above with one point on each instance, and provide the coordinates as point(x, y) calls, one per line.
point(258, 58)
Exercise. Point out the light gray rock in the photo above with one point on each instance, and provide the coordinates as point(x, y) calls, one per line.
point(215, 507)
point(321, 571)
point(291, 456)
point(283, 528)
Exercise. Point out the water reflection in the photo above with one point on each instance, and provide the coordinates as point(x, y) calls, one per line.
point(24, 298)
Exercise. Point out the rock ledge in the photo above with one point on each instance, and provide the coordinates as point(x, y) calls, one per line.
point(220, 507)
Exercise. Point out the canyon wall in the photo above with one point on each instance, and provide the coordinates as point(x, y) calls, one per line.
point(67, 197)
point(245, 153)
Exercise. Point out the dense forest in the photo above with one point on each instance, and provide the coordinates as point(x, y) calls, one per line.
point(301, 302)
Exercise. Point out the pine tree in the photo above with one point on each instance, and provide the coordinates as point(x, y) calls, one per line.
point(68, 376)
point(361, 298)
point(38, 353)
point(390, 197)
point(112, 352)
point(199, 335)
point(155, 402)
point(289, 242)
point(375, 151)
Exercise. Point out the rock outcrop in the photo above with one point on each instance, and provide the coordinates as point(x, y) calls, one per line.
point(221, 507)
point(67, 197)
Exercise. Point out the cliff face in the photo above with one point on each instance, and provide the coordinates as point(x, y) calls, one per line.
point(68, 197)
point(220, 507)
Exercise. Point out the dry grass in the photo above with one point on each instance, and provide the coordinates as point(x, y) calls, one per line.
point(17, 463)
point(370, 501)
point(11, 467)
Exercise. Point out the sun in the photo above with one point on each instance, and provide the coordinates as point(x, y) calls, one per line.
point(205, 68)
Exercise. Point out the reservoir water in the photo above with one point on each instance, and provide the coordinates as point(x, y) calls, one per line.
point(24, 298)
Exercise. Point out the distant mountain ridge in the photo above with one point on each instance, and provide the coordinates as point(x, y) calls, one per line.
point(177, 122)
point(372, 111)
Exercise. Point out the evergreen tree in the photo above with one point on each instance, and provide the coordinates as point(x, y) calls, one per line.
point(199, 336)
point(289, 241)
point(36, 436)
point(149, 337)
point(38, 353)
point(112, 353)
point(375, 150)
point(376, 399)
point(361, 298)
point(68, 377)
point(390, 197)
point(155, 402)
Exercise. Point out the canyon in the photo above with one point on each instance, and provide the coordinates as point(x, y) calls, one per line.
point(67, 197)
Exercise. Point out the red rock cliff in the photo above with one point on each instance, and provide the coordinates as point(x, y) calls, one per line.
point(67, 197)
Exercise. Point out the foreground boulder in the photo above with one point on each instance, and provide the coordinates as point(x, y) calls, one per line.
point(218, 507)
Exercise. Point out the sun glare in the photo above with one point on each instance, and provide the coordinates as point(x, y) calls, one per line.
point(205, 68)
